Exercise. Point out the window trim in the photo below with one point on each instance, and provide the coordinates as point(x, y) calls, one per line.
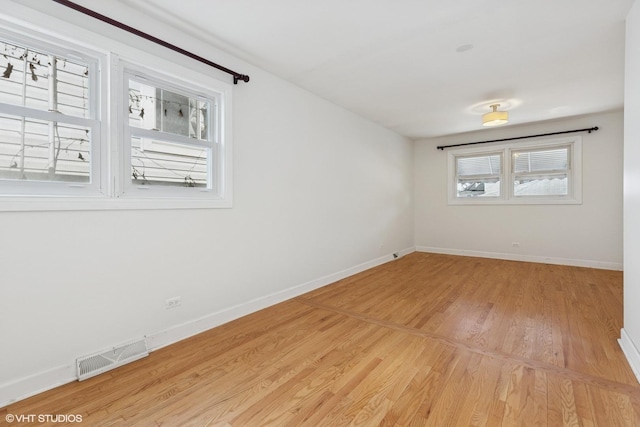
point(222, 155)
point(507, 196)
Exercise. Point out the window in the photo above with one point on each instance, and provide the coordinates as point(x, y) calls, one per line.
point(171, 139)
point(478, 176)
point(164, 144)
point(49, 123)
point(543, 171)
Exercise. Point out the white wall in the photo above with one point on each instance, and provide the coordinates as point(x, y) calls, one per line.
point(631, 333)
point(319, 193)
point(589, 234)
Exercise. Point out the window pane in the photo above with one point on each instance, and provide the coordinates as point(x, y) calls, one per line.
point(156, 108)
point(543, 160)
point(478, 176)
point(478, 165)
point(556, 185)
point(34, 79)
point(167, 163)
point(489, 187)
point(37, 150)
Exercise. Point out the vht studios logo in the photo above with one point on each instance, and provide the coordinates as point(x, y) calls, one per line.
point(43, 418)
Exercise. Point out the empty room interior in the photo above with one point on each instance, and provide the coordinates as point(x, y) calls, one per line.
point(288, 213)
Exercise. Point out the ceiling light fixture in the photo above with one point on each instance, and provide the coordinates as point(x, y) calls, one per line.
point(495, 117)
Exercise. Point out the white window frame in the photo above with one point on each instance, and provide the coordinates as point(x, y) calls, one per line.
point(507, 197)
point(216, 192)
point(98, 163)
point(107, 190)
point(499, 153)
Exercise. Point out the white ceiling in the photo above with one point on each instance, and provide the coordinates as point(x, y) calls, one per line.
point(397, 63)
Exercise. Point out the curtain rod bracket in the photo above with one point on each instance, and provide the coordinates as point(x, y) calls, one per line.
point(236, 76)
point(591, 129)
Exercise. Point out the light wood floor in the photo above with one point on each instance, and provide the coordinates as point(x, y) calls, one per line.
point(426, 340)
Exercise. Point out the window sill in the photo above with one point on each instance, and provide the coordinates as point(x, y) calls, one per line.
point(527, 201)
point(26, 204)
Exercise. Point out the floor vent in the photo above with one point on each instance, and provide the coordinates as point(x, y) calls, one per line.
point(94, 364)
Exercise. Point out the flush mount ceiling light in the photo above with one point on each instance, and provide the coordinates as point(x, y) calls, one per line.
point(495, 117)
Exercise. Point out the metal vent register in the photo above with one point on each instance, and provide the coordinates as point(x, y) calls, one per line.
point(94, 364)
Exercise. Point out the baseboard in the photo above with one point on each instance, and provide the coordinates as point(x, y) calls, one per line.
point(526, 258)
point(38, 383)
point(631, 352)
point(404, 252)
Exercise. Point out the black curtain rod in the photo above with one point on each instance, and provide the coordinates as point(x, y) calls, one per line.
point(593, 129)
point(118, 24)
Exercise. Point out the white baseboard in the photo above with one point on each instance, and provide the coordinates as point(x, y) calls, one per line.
point(631, 352)
point(38, 383)
point(404, 252)
point(526, 258)
point(35, 384)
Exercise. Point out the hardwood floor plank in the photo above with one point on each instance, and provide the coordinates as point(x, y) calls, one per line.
point(526, 402)
point(477, 405)
point(421, 388)
point(443, 410)
point(561, 403)
point(619, 410)
point(586, 411)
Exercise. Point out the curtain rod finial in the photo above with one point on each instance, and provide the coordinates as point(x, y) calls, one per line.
point(242, 77)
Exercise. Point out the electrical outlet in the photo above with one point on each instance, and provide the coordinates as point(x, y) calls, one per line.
point(515, 244)
point(173, 302)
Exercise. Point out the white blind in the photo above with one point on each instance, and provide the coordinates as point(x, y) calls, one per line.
point(556, 159)
point(478, 165)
